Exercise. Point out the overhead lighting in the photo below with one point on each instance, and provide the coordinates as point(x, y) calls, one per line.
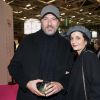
point(10, 2)
point(21, 18)
point(28, 8)
point(81, 10)
point(42, 1)
point(64, 8)
point(17, 12)
point(98, 1)
point(88, 20)
point(28, 5)
point(50, 1)
point(37, 15)
point(24, 17)
point(77, 22)
point(70, 21)
point(62, 14)
point(90, 13)
point(68, 5)
point(72, 16)
point(81, 18)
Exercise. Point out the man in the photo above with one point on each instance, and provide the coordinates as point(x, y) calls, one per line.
point(42, 56)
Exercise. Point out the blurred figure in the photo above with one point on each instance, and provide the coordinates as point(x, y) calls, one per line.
point(97, 47)
point(90, 46)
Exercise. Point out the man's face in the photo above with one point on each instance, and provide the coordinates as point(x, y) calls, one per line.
point(49, 24)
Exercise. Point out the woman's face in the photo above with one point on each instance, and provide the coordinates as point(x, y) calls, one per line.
point(78, 42)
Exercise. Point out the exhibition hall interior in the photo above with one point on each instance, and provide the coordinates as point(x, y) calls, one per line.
point(84, 12)
point(19, 18)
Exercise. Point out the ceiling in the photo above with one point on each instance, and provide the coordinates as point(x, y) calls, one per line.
point(86, 12)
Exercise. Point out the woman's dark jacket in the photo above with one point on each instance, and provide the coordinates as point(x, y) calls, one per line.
point(40, 56)
point(91, 66)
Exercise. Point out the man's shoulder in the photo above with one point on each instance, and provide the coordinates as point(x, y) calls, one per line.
point(32, 35)
point(29, 38)
point(63, 37)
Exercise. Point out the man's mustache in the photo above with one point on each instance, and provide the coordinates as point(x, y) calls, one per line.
point(49, 26)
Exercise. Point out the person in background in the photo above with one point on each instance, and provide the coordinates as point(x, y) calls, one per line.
point(84, 82)
point(97, 47)
point(42, 56)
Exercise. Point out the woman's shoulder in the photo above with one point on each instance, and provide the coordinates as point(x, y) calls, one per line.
point(89, 53)
point(90, 56)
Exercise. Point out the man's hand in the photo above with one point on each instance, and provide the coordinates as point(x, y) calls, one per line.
point(32, 86)
point(53, 88)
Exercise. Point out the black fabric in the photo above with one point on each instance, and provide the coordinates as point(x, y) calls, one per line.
point(91, 65)
point(40, 56)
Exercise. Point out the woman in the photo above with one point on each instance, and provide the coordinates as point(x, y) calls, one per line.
point(84, 83)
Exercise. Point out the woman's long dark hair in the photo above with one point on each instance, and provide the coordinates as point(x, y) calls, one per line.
point(90, 45)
